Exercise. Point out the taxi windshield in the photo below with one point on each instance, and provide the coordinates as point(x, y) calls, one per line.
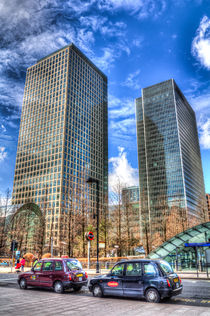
point(166, 267)
point(74, 265)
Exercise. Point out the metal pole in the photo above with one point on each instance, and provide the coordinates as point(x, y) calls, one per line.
point(88, 254)
point(177, 266)
point(13, 245)
point(196, 251)
point(207, 265)
point(51, 247)
point(97, 206)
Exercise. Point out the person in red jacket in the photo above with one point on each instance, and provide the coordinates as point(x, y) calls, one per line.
point(18, 265)
point(22, 262)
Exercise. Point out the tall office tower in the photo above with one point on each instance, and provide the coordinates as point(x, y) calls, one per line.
point(170, 170)
point(63, 140)
point(130, 202)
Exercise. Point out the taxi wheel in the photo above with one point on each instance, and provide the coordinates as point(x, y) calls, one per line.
point(23, 284)
point(152, 296)
point(97, 292)
point(58, 287)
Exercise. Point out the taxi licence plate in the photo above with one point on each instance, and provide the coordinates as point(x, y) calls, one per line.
point(79, 275)
point(176, 280)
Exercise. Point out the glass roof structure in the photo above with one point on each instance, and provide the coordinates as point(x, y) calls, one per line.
point(196, 234)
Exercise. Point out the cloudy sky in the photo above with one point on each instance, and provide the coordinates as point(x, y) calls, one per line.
point(136, 43)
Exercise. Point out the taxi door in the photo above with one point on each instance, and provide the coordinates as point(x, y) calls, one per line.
point(46, 277)
point(34, 278)
point(112, 284)
point(133, 280)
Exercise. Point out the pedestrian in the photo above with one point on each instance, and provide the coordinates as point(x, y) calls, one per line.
point(18, 265)
point(35, 261)
point(22, 262)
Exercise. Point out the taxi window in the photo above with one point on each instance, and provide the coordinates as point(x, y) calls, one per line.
point(74, 265)
point(118, 269)
point(47, 266)
point(133, 269)
point(38, 266)
point(150, 270)
point(58, 266)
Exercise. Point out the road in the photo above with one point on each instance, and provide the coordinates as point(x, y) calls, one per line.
point(195, 300)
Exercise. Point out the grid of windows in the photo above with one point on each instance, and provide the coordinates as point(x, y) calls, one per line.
point(130, 201)
point(63, 136)
point(170, 170)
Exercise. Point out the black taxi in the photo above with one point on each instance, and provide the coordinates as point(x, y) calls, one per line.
point(151, 279)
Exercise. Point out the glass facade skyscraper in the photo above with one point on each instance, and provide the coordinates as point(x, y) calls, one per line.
point(170, 169)
point(130, 202)
point(63, 139)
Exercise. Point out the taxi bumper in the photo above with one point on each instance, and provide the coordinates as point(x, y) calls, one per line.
point(171, 292)
point(70, 284)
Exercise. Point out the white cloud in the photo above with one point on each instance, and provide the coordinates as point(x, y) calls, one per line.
point(122, 171)
point(204, 131)
point(94, 22)
point(201, 102)
point(120, 108)
point(105, 61)
point(201, 43)
point(2, 128)
point(138, 41)
point(132, 81)
point(3, 154)
point(122, 124)
point(126, 126)
point(105, 27)
point(140, 8)
point(201, 105)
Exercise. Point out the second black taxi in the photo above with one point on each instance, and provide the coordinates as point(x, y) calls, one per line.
point(151, 279)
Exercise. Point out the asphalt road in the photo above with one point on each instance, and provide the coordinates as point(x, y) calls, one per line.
point(195, 300)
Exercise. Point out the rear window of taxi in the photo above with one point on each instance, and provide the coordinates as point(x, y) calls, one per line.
point(73, 265)
point(165, 266)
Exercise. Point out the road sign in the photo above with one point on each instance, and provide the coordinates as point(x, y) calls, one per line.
point(17, 254)
point(90, 236)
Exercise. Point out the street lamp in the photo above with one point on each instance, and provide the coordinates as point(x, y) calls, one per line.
point(96, 181)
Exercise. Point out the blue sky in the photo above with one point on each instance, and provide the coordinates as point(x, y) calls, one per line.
point(136, 43)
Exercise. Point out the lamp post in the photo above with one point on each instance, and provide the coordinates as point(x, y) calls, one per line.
point(96, 181)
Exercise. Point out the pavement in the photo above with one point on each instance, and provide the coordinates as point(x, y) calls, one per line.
point(92, 272)
point(194, 301)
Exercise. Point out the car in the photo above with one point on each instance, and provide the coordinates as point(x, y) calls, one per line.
point(57, 273)
point(147, 278)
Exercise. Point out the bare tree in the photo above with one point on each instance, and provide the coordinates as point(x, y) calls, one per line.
point(117, 216)
point(5, 211)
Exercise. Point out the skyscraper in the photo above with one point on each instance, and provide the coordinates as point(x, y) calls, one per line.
point(170, 170)
point(63, 139)
point(130, 202)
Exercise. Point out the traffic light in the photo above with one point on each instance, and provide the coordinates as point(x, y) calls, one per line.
point(14, 245)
